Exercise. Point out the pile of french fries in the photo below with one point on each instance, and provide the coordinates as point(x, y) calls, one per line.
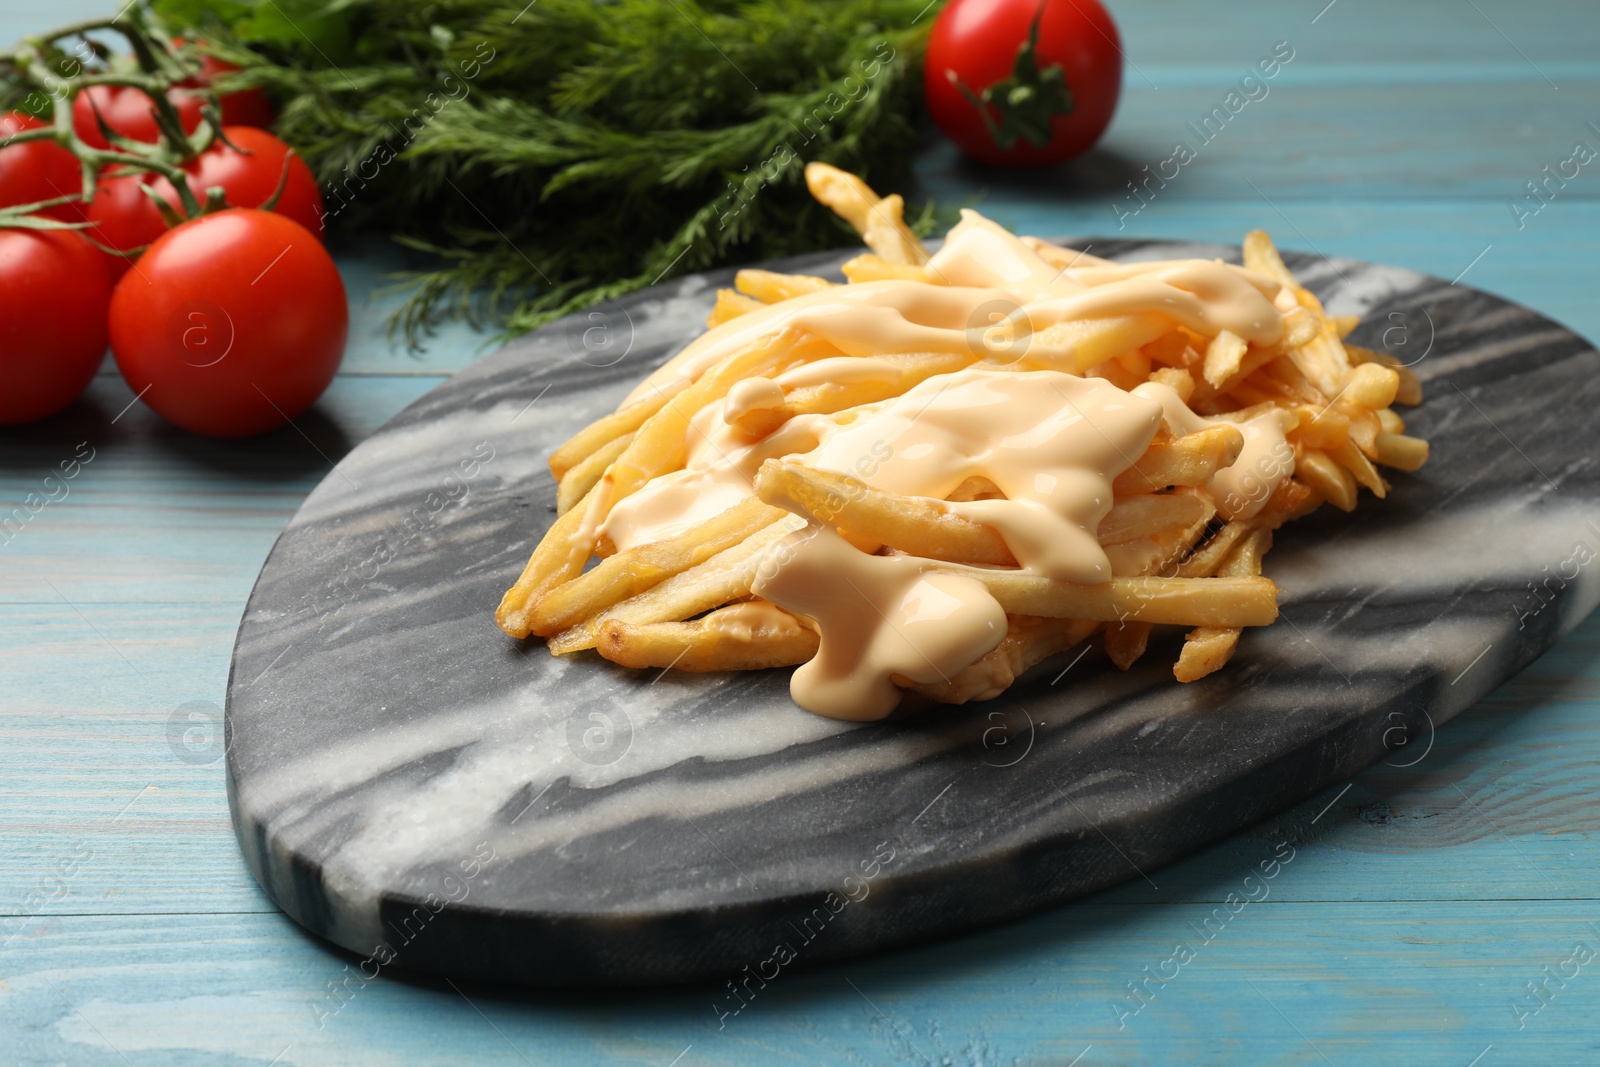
point(685, 601)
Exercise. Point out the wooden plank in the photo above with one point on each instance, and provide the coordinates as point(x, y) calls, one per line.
point(1276, 983)
point(158, 514)
point(1302, 138)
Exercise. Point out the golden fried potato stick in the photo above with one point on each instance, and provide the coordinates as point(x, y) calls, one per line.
point(1321, 472)
point(1063, 258)
point(770, 287)
point(1188, 460)
point(636, 569)
point(725, 640)
point(725, 577)
point(1078, 346)
point(1209, 648)
point(1029, 641)
point(558, 557)
point(879, 220)
point(917, 525)
point(729, 306)
point(1224, 357)
point(1143, 515)
point(577, 482)
point(1348, 456)
point(1409, 389)
point(871, 268)
point(1180, 601)
point(1402, 452)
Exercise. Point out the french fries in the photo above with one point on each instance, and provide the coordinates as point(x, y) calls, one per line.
point(691, 596)
point(721, 641)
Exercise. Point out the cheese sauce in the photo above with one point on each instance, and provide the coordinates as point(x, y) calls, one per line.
point(1051, 442)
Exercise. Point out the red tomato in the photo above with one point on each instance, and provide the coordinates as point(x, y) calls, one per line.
point(37, 170)
point(124, 216)
point(234, 322)
point(54, 283)
point(247, 107)
point(250, 176)
point(128, 112)
point(1069, 78)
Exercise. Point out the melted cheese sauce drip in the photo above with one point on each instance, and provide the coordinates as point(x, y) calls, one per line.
point(1051, 442)
point(878, 617)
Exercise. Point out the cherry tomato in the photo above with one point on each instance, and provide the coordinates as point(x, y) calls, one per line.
point(37, 170)
point(55, 286)
point(124, 217)
point(234, 322)
point(1023, 82)
point(250, 176)
point(247, 107)
point(129, 112)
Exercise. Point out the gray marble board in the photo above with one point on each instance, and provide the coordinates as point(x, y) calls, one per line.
point(411, 784)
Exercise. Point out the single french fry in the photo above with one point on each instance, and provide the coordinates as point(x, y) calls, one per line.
point(1348, 456)
point(733, 638)
point(577, 482)
point(1299, 328)
point(770, 286)
point(1180, 601)
point(1063, 258)
point(1178, 379)
point(1372, 385)
point(729, 306)
point(1402, 452)
point(1077, 345)
point(917, 525)
point(1224, 355)
point(1409, 389)
point(1261, 256)
point(1126, 642)
point(1318, 470)
point(1207, 649)
point(725, 577)
point(634, 570)
point(874, 268)
point(1028, 641)
point(879, 220)
point(1129, 558)
point(1188, 460)
point(1139, 516)
point(558, 557)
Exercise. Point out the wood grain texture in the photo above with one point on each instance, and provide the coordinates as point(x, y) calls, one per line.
point(1417, 908)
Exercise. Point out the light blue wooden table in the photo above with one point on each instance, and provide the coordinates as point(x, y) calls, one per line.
point(1421, 905)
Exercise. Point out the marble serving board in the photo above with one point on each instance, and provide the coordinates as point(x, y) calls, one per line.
point(411, 784)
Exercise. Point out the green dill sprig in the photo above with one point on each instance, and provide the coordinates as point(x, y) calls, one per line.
point(556, 154)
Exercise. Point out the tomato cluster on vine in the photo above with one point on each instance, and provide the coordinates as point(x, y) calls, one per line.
point(140, 207)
